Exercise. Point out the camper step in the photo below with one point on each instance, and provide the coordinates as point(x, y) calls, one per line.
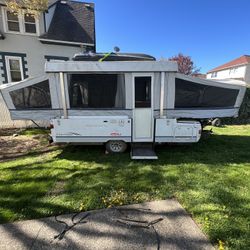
point(143, 152)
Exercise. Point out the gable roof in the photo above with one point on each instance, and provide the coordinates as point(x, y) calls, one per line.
point(72, 22)
point(243, 60)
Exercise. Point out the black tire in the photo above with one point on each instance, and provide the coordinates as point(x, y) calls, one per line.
point(116, 146)
point(216, 122)
point(50, 139)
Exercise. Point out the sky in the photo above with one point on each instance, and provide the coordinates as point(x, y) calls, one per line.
point(212, 32)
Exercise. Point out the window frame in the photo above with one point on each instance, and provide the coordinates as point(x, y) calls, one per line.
point(8, 71)
point(16, 21)
point(21, 22)
point(24, 25)
point(214, 74)
point(206, 87)
point(134, 75)
point(67, 92)
point(144, 103)
point(24, 86)
point(233, 70)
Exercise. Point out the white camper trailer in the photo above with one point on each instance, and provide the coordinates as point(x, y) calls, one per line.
point(126, 99)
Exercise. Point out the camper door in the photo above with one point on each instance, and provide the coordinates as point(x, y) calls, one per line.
point(143, 125)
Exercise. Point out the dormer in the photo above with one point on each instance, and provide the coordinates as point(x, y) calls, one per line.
point(70, 23)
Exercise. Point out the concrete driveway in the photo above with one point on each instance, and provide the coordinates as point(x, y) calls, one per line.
point(152, 225)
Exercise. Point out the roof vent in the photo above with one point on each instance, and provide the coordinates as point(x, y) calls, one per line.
point(63, 2)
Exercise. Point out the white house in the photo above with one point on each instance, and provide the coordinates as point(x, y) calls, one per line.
point(238, 69)
point(26, 43)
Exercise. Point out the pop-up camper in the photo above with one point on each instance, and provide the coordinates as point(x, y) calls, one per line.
point(126, 98)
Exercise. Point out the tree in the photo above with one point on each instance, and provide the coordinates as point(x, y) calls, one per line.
point(185, 64)
point(31, 7)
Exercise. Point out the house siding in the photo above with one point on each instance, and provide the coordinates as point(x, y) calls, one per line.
point(49, 15)
point(225, 74)
point(1, 19)
point(33, 54)
point(247, 74)
point(35, 51)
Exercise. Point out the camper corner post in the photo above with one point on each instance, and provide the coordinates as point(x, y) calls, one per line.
point(62, 85)
point(162, 94)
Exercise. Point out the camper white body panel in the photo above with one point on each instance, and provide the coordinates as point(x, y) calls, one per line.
point(91, 129)
point(171, 131)
point(101, 129)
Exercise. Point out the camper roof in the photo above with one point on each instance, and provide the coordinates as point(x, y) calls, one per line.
point(111, 66)
point(231, 81)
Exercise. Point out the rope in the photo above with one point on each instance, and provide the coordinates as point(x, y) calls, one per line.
point(125, 220)
point(105, 56)
point(61, 235)
point(139, 223)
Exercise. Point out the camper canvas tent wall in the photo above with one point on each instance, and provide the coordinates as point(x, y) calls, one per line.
point(116, 102)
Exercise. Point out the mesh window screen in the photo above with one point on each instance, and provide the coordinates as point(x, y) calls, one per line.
point(36, 96)
point(97, 91)
point(194, 95)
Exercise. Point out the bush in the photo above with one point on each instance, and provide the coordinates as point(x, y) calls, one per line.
point(244, 113)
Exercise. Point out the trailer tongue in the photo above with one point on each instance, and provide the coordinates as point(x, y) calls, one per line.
point(126, 99)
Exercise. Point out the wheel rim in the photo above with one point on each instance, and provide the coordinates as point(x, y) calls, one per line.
point(116, 146)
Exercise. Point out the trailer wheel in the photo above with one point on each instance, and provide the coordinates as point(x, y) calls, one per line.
point(50, 140)
point(216, 122)
point(116, 146)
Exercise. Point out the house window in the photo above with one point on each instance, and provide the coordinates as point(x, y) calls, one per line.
point(233, 70)
point(29, 23)
point(214, 74)
point(14, 68)
point(13, 22)
point(23, 24)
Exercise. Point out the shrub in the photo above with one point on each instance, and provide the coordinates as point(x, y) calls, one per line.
point(244, 113)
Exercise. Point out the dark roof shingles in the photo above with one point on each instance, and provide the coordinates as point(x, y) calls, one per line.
point(51, 2)
point(72, 22)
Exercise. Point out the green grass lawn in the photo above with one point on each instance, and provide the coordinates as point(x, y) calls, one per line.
point(211, 179)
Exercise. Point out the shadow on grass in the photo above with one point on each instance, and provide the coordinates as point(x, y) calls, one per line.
point(36, 152)
point(208, 179)
point(216, 149)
